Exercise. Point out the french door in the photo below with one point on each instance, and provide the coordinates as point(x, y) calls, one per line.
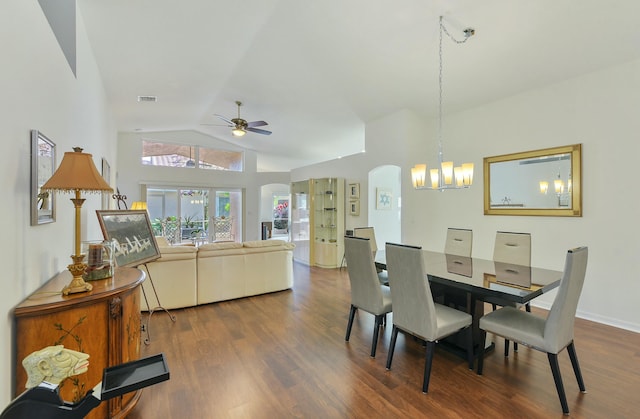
point(183, 213)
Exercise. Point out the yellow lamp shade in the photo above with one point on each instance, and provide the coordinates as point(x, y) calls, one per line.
point(467, 173)
point(447, 172)
point(435, 178)
point(138, 205)
point(418, 175)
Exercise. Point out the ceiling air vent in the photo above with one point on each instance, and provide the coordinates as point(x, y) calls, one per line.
point(147, 98)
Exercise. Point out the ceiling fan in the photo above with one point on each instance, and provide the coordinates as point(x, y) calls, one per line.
point(241, 126)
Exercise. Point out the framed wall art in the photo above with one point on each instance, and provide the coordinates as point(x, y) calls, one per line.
point(383, 198)
point(43, 165)
point(354, 207)
point(354, 191)
point(135, 243)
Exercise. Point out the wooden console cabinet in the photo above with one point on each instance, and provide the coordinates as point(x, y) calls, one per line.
point(104, 323)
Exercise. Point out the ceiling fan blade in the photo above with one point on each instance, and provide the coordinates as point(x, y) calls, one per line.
point(256, 124)
point(219, 125)
point(259, 131)
point(225, 119)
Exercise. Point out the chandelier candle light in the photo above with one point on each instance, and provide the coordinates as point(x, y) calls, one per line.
point(446, 176)
point(77, 173)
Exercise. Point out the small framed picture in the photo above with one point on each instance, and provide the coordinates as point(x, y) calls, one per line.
point(383, 199)
point(354, 207)
point(354, 191)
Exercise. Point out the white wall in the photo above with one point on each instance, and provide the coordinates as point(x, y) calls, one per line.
point(131, 173)
point(39, 91)
point(598, 110)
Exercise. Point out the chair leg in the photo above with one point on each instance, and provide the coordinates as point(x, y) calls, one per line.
point(483, 338)
point(576, 366)
point(557, 377)
point(469, 333)
point(377, 325)
point(527, 307)
point(431, 346)
point(506, 347)
point(352, 314)
point(392, 346)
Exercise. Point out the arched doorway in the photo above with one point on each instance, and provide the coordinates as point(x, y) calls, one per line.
point(385, 202)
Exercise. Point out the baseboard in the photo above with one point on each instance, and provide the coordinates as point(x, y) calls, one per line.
point(631, 326)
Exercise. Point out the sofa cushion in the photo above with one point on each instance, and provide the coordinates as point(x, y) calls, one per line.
point(264, 243)
point(162, 241)
point(221, 246)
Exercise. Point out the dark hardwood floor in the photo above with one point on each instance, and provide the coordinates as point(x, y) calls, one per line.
point(284, 355)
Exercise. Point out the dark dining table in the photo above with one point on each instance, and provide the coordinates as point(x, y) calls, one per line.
point(466, 283)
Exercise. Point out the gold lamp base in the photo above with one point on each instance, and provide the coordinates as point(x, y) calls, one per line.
point(77, 284)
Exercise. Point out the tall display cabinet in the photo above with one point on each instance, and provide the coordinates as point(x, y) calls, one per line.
point(317, 226)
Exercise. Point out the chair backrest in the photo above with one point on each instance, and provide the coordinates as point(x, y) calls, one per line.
point(368, 233)
point(458, 242)
point(365, 286)
point(413, 306)
point(512, 248)
point(558, 328)
point(221, 228)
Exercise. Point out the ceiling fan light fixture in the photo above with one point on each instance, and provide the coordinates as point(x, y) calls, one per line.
point(238, 132)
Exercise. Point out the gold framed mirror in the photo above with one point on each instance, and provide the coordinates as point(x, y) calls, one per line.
point(546, 182)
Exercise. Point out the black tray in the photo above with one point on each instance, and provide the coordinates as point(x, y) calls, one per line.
point(124, 378)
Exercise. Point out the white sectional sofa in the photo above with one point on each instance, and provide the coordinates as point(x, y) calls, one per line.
point(186, 276)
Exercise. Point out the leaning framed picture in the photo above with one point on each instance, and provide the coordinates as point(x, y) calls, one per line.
point(131, 230)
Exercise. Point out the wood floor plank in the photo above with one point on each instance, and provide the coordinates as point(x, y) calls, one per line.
point(283, 355)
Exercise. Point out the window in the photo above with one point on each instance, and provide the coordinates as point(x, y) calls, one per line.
point(183, 213)
point(187, 156)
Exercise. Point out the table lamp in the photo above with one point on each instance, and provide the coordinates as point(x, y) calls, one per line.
point(77, 173)
point(138, 205)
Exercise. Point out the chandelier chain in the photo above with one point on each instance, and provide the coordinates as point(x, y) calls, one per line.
point(443, 29)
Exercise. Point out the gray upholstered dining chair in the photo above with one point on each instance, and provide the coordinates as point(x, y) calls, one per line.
point(513, 248)
point(459, 242)
point(415, 312)
point(369, 233)
point(366, 291)
point(550, 335)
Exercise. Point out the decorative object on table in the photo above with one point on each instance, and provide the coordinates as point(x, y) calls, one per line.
point(446, 176)
point(135, 242)
point(106, 175)
point(77, 173)
point(120, 198)
point(43, 163)
point(100, 261)
point(51, 365)
point(383, 198)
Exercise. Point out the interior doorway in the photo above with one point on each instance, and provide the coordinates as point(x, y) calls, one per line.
point(385, 203)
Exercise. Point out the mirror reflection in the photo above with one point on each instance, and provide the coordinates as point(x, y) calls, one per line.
point(540, 182)
point(43, 159)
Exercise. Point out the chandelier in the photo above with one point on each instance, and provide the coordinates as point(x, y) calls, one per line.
point(446, 175)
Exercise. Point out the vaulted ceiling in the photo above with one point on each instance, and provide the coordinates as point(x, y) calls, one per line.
point(317, 71)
